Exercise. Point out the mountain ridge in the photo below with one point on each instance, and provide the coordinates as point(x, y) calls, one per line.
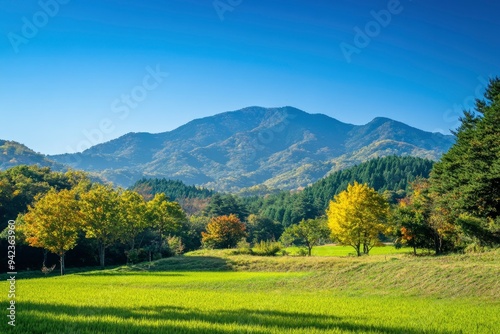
point(254, 145)
point(285, 148)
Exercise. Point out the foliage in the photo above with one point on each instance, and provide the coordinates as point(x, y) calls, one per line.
point(101, 209)
point(412, 218)
point(267, 248)
point(133, 217)
point(357, 216)
point(175, 245)
point(466, 181)
point(224, 205)
point(192, 199)
point(173, 189)
point(309, 233)
point(53, 223)
point(165, 216)
point(223, 232)
point(243, 247)
point(261, 228)
point(21, 184)
point(390, 175)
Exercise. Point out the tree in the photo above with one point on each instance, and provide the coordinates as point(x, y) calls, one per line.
point(165, 216)
point(308, 232)
point(53, 223)
point(133, 218)
point(357, 216)
point(262, 229)
point(223, 205)
point(412, 218)
point(466, 181)
point(223, 232)
point(101, 210)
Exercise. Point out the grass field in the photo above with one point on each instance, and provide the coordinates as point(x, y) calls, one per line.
point(218, 293)
point(329, 250)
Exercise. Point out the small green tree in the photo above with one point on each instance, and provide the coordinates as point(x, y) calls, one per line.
point(308, 233)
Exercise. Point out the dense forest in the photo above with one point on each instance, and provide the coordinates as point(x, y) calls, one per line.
point(173, 189)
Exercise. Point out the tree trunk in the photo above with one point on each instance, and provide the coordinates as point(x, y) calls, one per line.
point(61, 260)
point(45, 252)
point(309, 250)
point(102, 250)
point(414, 250)
point(358, 250)
point(437, 244)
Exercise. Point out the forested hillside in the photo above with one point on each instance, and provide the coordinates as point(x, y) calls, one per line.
point(390, 175)
point(173, 189)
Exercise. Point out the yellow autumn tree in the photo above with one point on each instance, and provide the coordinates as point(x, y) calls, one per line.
point(357, 216)
point(53, 223)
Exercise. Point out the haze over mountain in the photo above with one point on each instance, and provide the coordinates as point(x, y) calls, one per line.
point(276, 147)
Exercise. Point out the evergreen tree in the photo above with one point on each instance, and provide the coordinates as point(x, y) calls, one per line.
point(467, 179)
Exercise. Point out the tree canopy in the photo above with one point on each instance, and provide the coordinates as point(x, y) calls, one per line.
point(357, 216)
point(53, 223)
point(224, 232)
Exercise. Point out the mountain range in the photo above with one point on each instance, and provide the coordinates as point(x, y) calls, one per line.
point(283, 148)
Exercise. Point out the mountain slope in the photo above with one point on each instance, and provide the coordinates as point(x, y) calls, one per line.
point(282, 147)
point(14, 154)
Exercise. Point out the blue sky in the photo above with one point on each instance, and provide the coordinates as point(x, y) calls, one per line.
point(75, 73)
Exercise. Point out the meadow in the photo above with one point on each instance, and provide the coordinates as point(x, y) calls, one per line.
point(334, 250)
point(216, 292)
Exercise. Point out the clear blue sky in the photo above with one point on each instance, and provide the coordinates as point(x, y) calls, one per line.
point(72, 72)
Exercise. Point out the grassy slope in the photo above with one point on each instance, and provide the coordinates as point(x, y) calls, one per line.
point(469, 275)
point(214, 292)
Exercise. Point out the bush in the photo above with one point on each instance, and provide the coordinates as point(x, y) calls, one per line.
point(175, 246)
point(267, 248)
point(302, 252)
point(136, 255)
point(243, 247)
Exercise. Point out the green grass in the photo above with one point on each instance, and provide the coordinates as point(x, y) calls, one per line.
point(330, 250)
point(220, 293)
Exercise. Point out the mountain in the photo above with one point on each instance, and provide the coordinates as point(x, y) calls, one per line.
point(278, 147)
point(13, 154)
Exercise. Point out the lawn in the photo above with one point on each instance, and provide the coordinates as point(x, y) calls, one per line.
point(331, 250)
point(402, 294)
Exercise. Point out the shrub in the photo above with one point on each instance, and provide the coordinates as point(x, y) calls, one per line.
point(267, 248)
point(243, 247)
point(136, 255)
point(175, 245)
point(302, 252)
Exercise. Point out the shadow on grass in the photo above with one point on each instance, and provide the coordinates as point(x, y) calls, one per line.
point(55, 273)
point(180, 263)
point(186, 263)
point(126, 273)
point(45, 318)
